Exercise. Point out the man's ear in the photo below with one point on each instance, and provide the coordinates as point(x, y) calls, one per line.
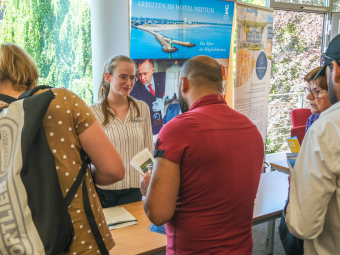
point(336, 72)
point(185, 85)
point(107, 77)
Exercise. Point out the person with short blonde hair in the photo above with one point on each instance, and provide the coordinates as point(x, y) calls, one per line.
point(17, 66)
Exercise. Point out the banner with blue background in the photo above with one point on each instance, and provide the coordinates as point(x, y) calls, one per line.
point(181, 29)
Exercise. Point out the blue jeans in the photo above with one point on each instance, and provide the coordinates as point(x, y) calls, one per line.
point(111, 198)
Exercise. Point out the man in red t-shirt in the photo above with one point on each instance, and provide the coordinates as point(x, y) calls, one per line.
point(208, 163)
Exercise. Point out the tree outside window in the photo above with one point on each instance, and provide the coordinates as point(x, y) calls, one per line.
point(57, 34)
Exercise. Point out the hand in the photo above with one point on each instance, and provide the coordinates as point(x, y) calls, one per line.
point(158, 105)
point(144, 183)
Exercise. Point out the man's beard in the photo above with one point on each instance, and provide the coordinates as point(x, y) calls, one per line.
point(331, 93)
point(182, 103)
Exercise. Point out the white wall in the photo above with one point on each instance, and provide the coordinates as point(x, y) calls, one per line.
point(110, 28)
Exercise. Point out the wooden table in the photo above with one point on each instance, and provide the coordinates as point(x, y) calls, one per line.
point(281, 166)
point(269, 202)
point(137, 239)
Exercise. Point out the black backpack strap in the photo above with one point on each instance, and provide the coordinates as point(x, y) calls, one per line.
point(7, 99)
point(86, 201)
point(31, 92)
point(74, 188)
point(92, 221)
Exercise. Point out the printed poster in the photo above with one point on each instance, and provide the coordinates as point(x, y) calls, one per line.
point(181, 29)
point(157, 86)
point(150, 88)
point(253, 64)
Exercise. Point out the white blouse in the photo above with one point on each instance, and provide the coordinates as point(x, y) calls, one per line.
point(129, 138)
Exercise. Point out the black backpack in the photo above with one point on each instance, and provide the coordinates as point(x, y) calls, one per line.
point(33, 211)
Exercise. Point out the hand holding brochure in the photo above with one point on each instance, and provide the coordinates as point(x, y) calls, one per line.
point(141, 161)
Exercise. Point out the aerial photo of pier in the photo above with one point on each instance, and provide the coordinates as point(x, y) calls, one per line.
point(154, 26)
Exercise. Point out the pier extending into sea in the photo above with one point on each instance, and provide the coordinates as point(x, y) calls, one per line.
point(165, 41)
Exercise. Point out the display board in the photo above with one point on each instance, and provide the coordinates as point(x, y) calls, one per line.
point(181, 29)
point(253, 63)
point(164, 34)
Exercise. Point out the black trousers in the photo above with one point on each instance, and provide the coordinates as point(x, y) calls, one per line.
point(110, 198)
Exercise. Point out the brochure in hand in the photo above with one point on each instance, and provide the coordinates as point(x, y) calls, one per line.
point(142, 160)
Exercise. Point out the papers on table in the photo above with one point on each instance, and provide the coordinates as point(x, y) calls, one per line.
point(118, 217)
point(141, 161)
point(122, 225)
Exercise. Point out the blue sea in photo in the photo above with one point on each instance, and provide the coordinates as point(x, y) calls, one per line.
point(144, 45)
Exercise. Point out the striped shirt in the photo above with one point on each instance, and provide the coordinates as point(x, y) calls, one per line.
point(129, 138)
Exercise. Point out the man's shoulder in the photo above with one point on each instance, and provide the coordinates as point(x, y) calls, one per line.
point(175, 131)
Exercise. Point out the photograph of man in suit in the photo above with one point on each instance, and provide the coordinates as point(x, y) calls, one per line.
point(150, 88)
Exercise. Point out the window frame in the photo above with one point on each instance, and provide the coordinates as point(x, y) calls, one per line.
point(335, 24)
point(325, 10)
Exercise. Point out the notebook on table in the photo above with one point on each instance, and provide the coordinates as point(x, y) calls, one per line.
point(118, 217)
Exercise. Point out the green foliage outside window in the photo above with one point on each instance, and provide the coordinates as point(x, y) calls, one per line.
point(57, 34)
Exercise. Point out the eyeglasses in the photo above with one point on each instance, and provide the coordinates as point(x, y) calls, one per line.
point(323, 59)
point(315, 92)
point(125, 78)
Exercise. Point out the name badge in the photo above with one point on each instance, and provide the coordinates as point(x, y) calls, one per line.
point(135, 119)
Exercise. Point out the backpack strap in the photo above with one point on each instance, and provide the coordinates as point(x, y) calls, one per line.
point(7, 99)
point(86, 201)
point(28, 93)
point(31, 92)
point(92, 221)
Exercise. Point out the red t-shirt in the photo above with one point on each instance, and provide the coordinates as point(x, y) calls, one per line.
point(221, 155)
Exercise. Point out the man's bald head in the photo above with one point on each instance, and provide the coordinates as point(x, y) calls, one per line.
point(203, 71)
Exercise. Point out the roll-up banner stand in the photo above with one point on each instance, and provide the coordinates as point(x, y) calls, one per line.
point(164, 34)
point(253, 63)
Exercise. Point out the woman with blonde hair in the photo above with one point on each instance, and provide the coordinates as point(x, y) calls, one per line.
point(69, 126)
point(127, 123)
